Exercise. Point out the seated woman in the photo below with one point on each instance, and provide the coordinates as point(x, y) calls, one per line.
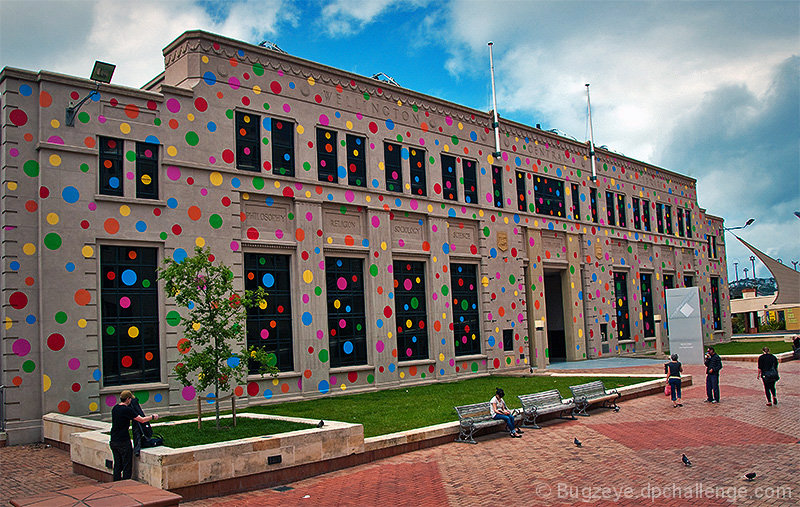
point(500, 411)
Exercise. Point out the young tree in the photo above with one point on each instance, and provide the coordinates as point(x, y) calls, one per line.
point(214, 348)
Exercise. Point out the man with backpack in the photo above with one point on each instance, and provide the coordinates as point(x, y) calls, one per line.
point(121, 416)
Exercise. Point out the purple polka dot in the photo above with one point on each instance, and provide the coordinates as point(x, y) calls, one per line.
point(111, 400)
point(188, 393)
point(21, 347)
point(376, 222)
point(234, 83)
point(380, 346)
point(74, 363)
point(173, 105)
point(324, 120)
point(173, 173)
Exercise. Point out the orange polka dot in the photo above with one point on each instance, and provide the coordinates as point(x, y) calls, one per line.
point(111, 225)
point(194, 213)
point(82, 297)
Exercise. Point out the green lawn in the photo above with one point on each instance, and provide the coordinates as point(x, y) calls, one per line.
point(751, 347)
point(184, 435)
point(388, 411)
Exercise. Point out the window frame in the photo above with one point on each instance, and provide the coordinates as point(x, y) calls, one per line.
point(522, 191)
point(280, 147)
point(250, 139)
point(449, 193)
point(327, 160)
point(497, 186)
point(115, 156)
point(147, 166)
point(403, 298)
point(460, 315)
point(646, 225)
point(356, 164)
point(419, 174)
point(396, 165)
point(637, 218)
point(576, 201)
point(469, 178)
point(611, 215)
point(593, 205)
point(548, 195)
point(359, 355)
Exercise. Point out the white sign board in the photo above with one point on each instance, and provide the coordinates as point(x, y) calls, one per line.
point(685, 324)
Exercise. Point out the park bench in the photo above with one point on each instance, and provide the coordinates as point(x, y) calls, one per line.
point(547, 402)
point(473, 417)
point(585, 394)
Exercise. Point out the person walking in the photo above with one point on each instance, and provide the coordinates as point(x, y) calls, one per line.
point(120, 441)
point(673, 371)
point(499, 410)
point(713, 366)
point(768, 373)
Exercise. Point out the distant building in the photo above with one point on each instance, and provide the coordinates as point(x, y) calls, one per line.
point(395, 248)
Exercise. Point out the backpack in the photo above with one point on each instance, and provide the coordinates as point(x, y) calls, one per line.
point(150, 439)
point(143, 436)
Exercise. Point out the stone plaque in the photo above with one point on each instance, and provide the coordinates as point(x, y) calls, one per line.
point(408, 232)
point(463, 237)
point(263, 222)
point(336, 222)
point(502, 241)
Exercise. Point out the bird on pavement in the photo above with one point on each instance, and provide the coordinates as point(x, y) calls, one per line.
point(320, 424)
point(577, 442)
point(686, 460)
point(750, 476)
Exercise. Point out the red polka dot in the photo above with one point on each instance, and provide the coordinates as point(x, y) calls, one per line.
point(127, 361)
point(63, 406)
point(373, 127)
point(55, 342)
point(387, 311)
point(275, 87)
point(352, 377)
point(252, 389)
point(200, 104)
point(76, 387)
point(177, 230)
point(18, 300)
point(18, 117)
point(111, 225)
point(227, 156)
point(252, 233)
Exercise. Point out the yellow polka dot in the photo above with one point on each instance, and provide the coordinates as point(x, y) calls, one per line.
point(349, 125)
point(205, 59)
point(52, 218)
point(490, 158)
point(257, 90)
point(92, 407)
point(311, 81)
point(389, 334)
point(55, 160)
point(87, 251)
point(308, 194)
point(485, 281)
point(308, 276)
point(460, 126)
point(300, 129)
point(399, 102)
point(196, 326)
point(29, 249)
point(402, 374)
point(146, 179)
point(12, 185)
point(245, 196)
point(329, 240)
point(383, 245)
point(82, 323)
point(446, 147)
point(215, 178)
point(200, 241)
point(343, 387)
point(125, 210)
point(262, 304)
point(368, 198)
point(190, 117)
point(381, 166)
point(125, 128)
point(277, 184)
point(46, 383)
point(337, 304)
point(133, 331)
point(9, 322)
point(430, 208)
point(55, 123)
point(172, 151)
point(275, 381)
point(441, 357)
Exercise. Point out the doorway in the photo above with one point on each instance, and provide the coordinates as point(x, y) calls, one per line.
point(554, 304)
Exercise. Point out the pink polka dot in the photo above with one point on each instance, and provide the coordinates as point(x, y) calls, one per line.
point(324, 120)
point(188, 393)
point(341, 283)
point(74, 363)
point(380, 346)
point(111, 400)
point(376, 222)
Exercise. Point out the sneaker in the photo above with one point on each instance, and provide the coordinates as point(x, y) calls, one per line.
point(775, 402)
point(708, 401)
point(715, 401)
point(769, 404)
point(680, 404)
point(520, 431)
point(514, 435)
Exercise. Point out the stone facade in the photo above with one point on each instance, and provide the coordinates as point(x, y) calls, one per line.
point(80, 218)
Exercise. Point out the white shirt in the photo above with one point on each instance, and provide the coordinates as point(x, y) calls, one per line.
point(496, 404)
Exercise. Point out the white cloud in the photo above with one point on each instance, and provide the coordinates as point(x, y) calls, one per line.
point(346, 17)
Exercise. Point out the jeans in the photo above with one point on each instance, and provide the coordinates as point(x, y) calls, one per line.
point(712, 387)
point(769, 388)
point(509, 419)
point(123, 459)
point(675, 388)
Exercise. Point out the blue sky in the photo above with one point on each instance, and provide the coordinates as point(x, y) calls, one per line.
point(708, 89)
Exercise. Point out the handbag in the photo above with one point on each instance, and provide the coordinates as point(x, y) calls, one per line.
point(771, 375)
point(667, 390)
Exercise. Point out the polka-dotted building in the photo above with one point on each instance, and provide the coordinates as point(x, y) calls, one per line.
point(395, 247)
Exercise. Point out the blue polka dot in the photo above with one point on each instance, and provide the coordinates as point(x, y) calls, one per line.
point(375, 183)
point(236, 182)
point(389, 124)
point(233, 362)
point(15, 265)
point(323, 386)
point(446, 248)
point(179, 255)
point(404, 153)
point(451, 213)
point(268, 280)
point(157, 397)
point(211, 126)
point(70, 194)
point(25, 90)
point(491, 341)
point(141, 226)
point(474, 137)
point(172, 203)
point(96, 374)
point(392, 367)
point(267, 394)
point(30, 319)
point(379, 323)
point(342, 172)
point(152, 139)
point(348, 347)
point(307, 318)
point(493, 253)
point(70, 267)
point(128, 277)
point(209, 78)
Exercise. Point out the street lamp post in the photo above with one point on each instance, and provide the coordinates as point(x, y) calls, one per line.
point(795, 264)
point(753, 260)
point(736, 268)
point(745, 273)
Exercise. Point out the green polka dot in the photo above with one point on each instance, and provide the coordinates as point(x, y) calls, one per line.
point(373, 270)
point(414, 303)
point(31, 168)
point(399, 138)
point(306, 166)
point(512, 279)
point(317, 291)
point(173, 318)
point(28, 366)
point(85, 168)
point(142, 396)
point(229, 114)
point(414, 108)
point(110, 330)
point(145, 283)
point(163, 236)
point(266, 106)
point(323, 355)
point(366, 96)
point(258, 183)
point(157, 122)
point(474, 367)
point(192, 138)
point(572, 270)
point(258, 69)
point(215, 221)
point(52, 241)
point(370, 378)
point(454, 140)
point(272, 359)
point(84, 117)
point(486, 231)
point(61, 317)
point(130, 155)
point(445, 290)
point(464, 304)
point(290, 216)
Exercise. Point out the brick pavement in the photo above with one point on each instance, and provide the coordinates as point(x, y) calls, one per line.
point(628, 458)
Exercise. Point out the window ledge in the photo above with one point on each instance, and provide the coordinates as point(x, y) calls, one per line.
point(129, 200)
point(416, 362)
point(345, 369)
point(134, 387)
point(470, 357)
point(281, 374)
point(625, 342)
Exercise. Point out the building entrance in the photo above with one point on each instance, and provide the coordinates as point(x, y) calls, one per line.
point(554, 303)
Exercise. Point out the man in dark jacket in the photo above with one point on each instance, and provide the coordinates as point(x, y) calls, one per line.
point(713, 366)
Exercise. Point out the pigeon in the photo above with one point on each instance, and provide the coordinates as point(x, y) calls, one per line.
point(686, 460)
point(577, 442)
point(750, 476)
point(320, 424)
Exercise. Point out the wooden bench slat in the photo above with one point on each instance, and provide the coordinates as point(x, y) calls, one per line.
point(585, 394)
point(546, 402)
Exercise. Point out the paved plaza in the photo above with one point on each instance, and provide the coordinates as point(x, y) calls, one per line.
point(628, 458)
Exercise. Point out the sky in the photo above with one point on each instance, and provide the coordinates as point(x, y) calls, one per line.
point(709, 89)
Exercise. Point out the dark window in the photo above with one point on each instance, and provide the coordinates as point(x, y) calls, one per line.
point(508, 340)
point(688, 223)
point(146, 171)
point(470, 181)
point(668, 218)
point(688, 281)
point(548, 194)
point(327, 169)
point(660, 217)
point(466, 319)
point(419, 183)
point(248, 149)
point(497, 186)
point(714, 249)
point(449, 189)
point(271, 326)
point(637, 220)
point(646, 282)
point(110, 166)
point(576, 201)
point(669, 281)
point(593, 203)
point(681, 229)
point(610, 215)
point(282, 147)
point(129, 302)
point(522, 192)
point(715, 303)
point(621, 210)
point(393, 167)
point(347, 333)
point(646, 215)
point(410, 310)
point(356, 161)
point(621, 294)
